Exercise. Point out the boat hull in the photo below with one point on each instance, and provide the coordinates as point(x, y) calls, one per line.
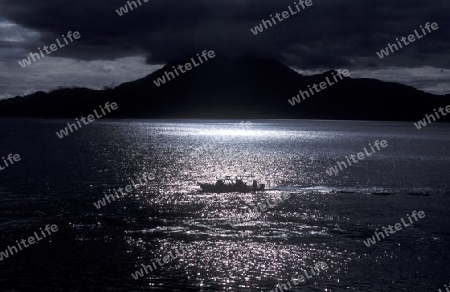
point(210, 188)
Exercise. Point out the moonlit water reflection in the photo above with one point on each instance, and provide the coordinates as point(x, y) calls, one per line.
point(325, 219)
point(314, 225)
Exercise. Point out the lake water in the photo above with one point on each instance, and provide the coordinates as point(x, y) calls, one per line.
point(325, 219)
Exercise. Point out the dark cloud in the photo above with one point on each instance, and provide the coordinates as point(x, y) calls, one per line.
point(112, 48)
point(330, 33)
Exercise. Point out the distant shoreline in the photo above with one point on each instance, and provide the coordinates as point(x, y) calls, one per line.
point(206, 120)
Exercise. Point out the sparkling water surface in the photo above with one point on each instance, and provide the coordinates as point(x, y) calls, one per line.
point(325, 219)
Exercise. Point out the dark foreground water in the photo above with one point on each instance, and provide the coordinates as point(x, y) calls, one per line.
point(325, 219)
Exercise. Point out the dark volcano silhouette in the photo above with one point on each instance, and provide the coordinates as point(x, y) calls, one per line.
point(241, 88)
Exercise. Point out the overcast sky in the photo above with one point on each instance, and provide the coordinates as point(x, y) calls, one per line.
point(114, 49)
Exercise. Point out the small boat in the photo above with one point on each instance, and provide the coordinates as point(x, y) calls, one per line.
point(231, 184)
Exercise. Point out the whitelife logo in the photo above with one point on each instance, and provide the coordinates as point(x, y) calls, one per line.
point(128, 189)
point(53, 48)
point(174, 254)
point(188, 66)
point(11, 158)
point(263, 207)
point(397, 226)
point(411, 38)
point(90, 118)
point(284, 15)
point(340, 73)
point(11, 250)
point(424, 123)
point(315, 271)
point(447, 288)
point(124, 9)
point(361, 156)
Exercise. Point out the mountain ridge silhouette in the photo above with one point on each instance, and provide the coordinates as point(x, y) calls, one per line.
point(235, 88)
